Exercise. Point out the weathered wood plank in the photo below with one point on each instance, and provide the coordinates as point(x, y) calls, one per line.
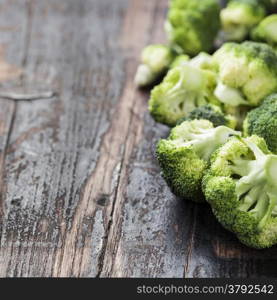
point(55, 144)
point(14, 28)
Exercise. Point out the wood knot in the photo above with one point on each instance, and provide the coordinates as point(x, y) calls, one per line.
point(103, 200)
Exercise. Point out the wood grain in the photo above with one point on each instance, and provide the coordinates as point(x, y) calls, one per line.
point(81, 192)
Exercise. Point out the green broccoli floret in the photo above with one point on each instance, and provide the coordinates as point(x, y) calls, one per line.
point(266, 31)
point(156, 60)
point(179, 61)
point(183, 89)
point(184, 156)
point(203, 61)
point(192, 25)
point(240, 16)
point(247, 73)
point(262, 121)
point(212, 113)
point(241, 187)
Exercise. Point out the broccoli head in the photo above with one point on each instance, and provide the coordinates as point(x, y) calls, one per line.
point(184, 156)
point(155, 59)
point(212, 113)
point(241, 187)
point(183, 89)
point(266, 31)
point(247, 73)
point(262, 121)
point(192, 25)
point(240, 16)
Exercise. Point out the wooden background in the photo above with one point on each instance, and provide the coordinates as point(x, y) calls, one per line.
point(81, 192)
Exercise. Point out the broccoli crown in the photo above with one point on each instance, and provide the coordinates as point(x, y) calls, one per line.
point(192, 25)
point(247, 73)
point(212, 113)
point(179, 61)
point(155, 60)
point(266, 31)
point(240, 16)
point(183, 89)
point(184, 156)
point(262, 121)
point(241, 187)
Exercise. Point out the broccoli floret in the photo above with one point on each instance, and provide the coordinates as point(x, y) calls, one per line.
point(192, 25)
point(156, 60)
point(266, 31)
point(184, 156)
point(179, 61)
point(240, 16)
point(203, 61)
point(247, 73)
point(241, 187)
point(183, 89)
point(212, 113)
point(262, 121)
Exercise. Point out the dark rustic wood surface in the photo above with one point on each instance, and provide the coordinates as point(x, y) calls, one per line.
point(81, 192)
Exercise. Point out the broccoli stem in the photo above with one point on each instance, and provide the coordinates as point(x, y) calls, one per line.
point(258, 153)
point(144, 75)
point(235, 33)
point(270, 207)
point(206, 142)
point(250, 199)
point(261, 207)
point(229, 95)
point(184, 96)
point(240, 167)
point(255, 187)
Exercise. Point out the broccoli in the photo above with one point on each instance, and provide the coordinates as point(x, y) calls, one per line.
point(239, 113)
point(156, 59)
point(184, 156)
point(179, 61)
point(183, 89)
point(240, 16)
point(247, 73)
point(192, 26)
point(212, 113)
point(262, 121)
point(266, 31)
point(203, 61)
point(241, 187)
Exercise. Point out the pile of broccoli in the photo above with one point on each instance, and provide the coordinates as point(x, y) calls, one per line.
point(221, 104)
point(239, 17)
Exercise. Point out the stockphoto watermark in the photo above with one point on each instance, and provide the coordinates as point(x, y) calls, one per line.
point(225, 289)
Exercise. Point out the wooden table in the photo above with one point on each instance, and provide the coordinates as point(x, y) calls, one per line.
point(81, 192)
